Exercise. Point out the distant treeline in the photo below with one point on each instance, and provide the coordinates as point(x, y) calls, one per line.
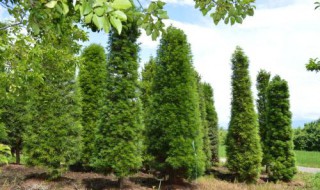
point(308, 137)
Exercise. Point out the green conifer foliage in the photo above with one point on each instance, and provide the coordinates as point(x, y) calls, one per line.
point(174, 130)
point(204, 123)
point(119, 139)
point(243, 143)
point(53, 138)
point(279, 139)
point(93, 78)
point(148, 74)
point(212, 120)
point(263, 79)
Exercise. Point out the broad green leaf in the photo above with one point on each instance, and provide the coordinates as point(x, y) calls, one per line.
point(233, 20)
point(155, 34)
point(51, 4)
point(99, 11)
point(121, 4)
point(88, 18)
point(163, 14)
point(35, 28)
point(116, 23)
point(239, 20)
point(120, 15)
point(250, 12)
point(106, 25)
point(98, 21)
point(98, 3)
point(226, 20)
point(87, 8)
point(65, 8)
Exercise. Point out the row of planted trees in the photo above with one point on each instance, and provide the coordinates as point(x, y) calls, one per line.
point(58, 117)
point(264, 141)
point(105, 119)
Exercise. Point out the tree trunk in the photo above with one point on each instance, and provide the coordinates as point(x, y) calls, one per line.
point(172, 177)
point(121, 182)
point(17, 156)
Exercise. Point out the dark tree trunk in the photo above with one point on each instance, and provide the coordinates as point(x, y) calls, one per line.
point(121, 182)
point(17, 156)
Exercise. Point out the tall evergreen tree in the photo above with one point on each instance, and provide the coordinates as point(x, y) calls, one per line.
point(212, 119)
point(263, 79)
point(243, 143)
point(174, 130)
point(93, 87)
point(279, 139)
point(118, 143)
point(204, 122)
point(53, 138)
point(148, 74)
point(15, 78)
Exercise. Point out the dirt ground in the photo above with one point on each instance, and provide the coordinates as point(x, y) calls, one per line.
point(19, 177)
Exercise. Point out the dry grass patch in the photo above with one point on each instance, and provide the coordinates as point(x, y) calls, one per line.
point(210, 183)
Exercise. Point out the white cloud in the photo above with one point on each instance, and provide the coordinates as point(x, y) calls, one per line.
point(279, 40)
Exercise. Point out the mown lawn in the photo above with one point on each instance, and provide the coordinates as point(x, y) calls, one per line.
point(308, 159)
point(304, 158)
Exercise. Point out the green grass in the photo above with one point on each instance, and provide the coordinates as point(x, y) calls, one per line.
point(222, 151)
point(304, 158)
point(308, 159)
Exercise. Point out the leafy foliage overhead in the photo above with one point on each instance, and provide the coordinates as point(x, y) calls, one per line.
point(104, 14)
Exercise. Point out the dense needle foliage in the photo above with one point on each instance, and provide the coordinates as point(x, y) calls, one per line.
point(243, 142)
point(281, 158)
point(92, 76)
point(119, 138)
point(212, 122)
point(263, 79)
point(175, 138)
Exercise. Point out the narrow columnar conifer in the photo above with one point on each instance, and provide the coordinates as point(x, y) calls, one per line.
point(53, 137)
point(147, 74)
point(119, 138)
point(92, 79)
point(212, 120)
point(243, 143)
point(204, 123)
point(281, 158)
point(174, 130)
point(263, 79)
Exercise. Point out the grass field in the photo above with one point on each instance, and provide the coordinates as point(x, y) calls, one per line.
point(304, 158)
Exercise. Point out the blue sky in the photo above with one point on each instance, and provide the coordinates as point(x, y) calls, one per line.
point(280, 38)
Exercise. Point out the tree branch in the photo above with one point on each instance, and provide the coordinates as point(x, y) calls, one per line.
point(11, 25)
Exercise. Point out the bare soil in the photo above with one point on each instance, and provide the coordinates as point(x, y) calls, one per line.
point(19, 177)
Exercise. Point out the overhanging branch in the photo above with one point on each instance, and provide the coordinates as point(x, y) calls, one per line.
point(10, 25)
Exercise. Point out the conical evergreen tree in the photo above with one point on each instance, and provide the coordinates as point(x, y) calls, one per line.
point(119, 139)
point(279, 139)
point(147, 74)
point(243, 143)
point(204, 123)
point(53, 138)
point(212, 120)
point(174, 130)
point(263, 79)
point(93, 87)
